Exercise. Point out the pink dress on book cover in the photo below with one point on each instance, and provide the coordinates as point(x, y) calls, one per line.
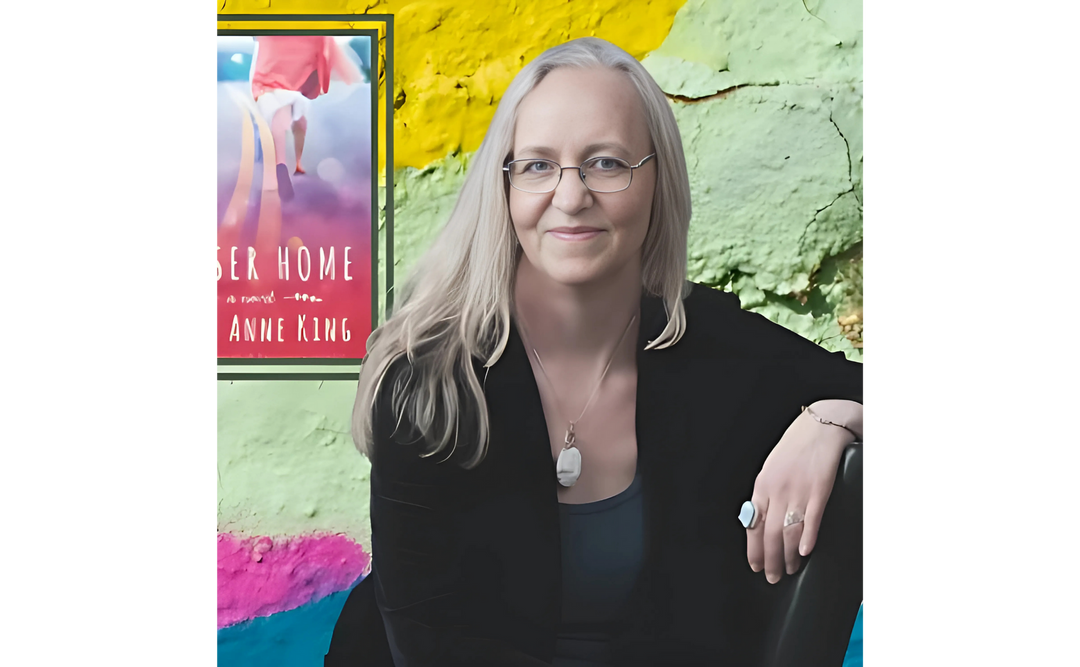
point(290, 70)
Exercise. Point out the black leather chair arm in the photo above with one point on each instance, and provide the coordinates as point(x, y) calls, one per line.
point(822, 599)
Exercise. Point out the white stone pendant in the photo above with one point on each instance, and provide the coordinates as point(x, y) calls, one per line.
point(568, 467)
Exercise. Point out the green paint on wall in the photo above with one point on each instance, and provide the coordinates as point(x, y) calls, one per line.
point(767, 169)
point(687, 78)
point(423, 200)
point(716, 45)
point(770, 41)
point(286, 461)
point(847, 115)
point(768, 96)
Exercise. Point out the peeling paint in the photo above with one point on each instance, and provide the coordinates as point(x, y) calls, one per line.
point(687, 79)
point(847, 117)
point(764, 162)
point(259, 576)
point(770, 41)
point(775, 154)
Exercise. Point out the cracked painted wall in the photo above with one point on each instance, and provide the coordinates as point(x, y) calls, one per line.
point(768, 96)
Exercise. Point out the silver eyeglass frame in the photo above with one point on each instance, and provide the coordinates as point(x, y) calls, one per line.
point(506, 169)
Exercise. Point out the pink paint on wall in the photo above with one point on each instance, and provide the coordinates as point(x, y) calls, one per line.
point(259, 576)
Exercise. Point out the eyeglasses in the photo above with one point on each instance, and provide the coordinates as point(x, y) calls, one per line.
point(599, 174)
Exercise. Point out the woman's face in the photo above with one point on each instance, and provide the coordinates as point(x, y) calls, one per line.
point(573, 235)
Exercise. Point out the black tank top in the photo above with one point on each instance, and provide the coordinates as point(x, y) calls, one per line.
point(602, 556)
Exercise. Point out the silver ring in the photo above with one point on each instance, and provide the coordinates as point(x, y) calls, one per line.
point(792, 517)
point(748, 515)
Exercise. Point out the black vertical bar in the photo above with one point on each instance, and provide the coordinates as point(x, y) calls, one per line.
point(389, 164)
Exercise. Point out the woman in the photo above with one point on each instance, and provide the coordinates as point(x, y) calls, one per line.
point(562, 429)
point(287, 72)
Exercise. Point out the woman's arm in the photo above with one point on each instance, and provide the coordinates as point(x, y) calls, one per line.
point(840, 414)
point(794, 485)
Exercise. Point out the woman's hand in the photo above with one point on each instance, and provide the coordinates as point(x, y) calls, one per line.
point(797, 480)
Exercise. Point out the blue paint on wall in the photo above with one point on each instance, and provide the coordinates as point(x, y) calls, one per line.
point(296, 638)
point(301, 637)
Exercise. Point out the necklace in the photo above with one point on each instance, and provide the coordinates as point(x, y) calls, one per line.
point(568, 466)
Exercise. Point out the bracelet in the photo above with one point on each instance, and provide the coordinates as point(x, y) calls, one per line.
point(806, 409)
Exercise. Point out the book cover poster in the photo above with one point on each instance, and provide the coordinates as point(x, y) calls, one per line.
point(294, 270)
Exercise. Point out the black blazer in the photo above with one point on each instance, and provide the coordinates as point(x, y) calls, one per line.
point(466, 563)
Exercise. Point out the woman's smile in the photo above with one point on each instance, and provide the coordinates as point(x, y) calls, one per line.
point(577, 233)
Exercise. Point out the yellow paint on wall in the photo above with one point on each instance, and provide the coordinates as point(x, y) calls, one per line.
point(453, 59)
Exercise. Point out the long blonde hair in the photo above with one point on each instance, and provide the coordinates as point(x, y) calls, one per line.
point(455, 306)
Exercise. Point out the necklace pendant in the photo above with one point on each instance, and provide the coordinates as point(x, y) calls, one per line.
point(568, 467)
